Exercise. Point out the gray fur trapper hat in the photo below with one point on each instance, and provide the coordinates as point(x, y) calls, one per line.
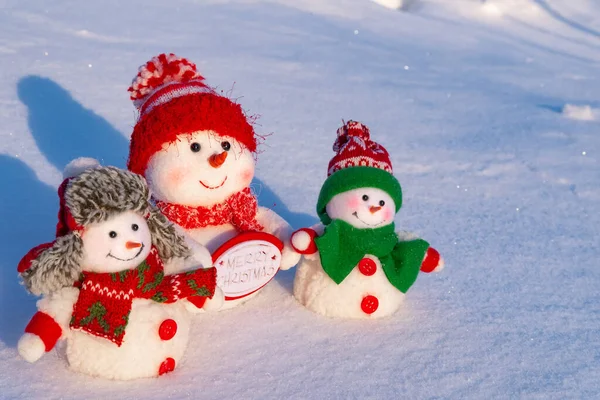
point(94, 195)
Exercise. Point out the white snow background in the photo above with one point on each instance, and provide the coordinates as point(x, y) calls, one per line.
point(468, 98)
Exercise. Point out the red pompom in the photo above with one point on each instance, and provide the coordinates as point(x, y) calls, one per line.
point(160, 70)
point(351, 129)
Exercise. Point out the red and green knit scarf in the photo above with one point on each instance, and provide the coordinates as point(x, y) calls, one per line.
point(105, 299)
point(239, 209)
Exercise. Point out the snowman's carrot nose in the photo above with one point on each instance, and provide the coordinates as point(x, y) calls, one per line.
point(132, 245)
point(374, 209)
point(216, 160)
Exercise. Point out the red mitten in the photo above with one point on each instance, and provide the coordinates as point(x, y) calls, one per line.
point(432, 261)
point(303, 241)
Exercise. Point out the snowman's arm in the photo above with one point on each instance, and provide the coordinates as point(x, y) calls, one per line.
point(432, 262)
point(279, 228)
point(303, 240)
point(48, 325)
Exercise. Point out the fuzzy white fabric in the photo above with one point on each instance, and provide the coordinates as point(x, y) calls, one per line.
point(31, 347)
point(314, 289)
point(301, 240)
point(103, 253)
point(217, 301)
point(362, 208)
point(78, 166)
point(180, 176)
point(142, 351)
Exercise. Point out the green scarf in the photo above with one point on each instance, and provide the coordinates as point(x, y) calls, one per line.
point(342, 246)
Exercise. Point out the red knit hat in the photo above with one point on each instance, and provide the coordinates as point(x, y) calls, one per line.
point(173, 99)
point(355, 148)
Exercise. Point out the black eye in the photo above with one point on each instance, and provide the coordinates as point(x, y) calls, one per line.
point(365, 197)
point(135, 227)
point(195, 147)
point(381, 203)
point(112, 234)
point(226, 146)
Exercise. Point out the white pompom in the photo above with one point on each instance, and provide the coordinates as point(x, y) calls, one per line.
point(31, 347)
point(301, 240)
point(78, 166)
point(440, 265)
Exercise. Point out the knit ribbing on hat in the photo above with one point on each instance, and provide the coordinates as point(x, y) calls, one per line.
point(354, 178)
point(354, 148)
point(185, 115)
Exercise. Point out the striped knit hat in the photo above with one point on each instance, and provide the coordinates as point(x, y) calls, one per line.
point(359, 162)
point(172, 99)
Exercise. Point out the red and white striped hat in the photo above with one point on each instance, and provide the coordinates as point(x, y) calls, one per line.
point(355, 148)
point(172, 99)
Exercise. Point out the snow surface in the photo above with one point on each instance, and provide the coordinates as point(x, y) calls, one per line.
point(584, 113)
point(466, 95)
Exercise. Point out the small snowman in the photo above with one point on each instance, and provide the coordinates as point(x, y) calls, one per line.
point(197, 151)
point(355, 265)
point(103, 285)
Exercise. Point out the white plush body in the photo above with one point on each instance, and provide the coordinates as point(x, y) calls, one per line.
point(314, 289)
point(142, 351)
point(180, 175)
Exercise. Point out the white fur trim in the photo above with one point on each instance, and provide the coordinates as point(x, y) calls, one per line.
point(440, 265)
point(31, 347)
point(301, 240)
point(78, 166)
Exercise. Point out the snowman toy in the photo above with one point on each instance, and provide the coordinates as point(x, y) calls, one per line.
point(197, 151)
point(103, 283)
point(355, 265)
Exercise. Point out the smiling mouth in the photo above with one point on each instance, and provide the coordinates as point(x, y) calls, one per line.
point(213, 187)
point(128, 259)
point(355, 213)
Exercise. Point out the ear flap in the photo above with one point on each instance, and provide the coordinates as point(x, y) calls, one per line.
point(55, 267)
point(165, 238)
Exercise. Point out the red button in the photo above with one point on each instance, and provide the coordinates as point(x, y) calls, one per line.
point(167, 329)
point(167, 366)
point(369, 304)
point(367, 267)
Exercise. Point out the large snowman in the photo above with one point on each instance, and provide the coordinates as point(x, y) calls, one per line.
point(123, 318)
point(197, 151)
point(355, 265)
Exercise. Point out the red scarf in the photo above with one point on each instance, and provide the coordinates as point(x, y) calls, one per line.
point(239, 209)
point(105, 299)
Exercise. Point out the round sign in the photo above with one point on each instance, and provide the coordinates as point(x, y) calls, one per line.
point(246, 263)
